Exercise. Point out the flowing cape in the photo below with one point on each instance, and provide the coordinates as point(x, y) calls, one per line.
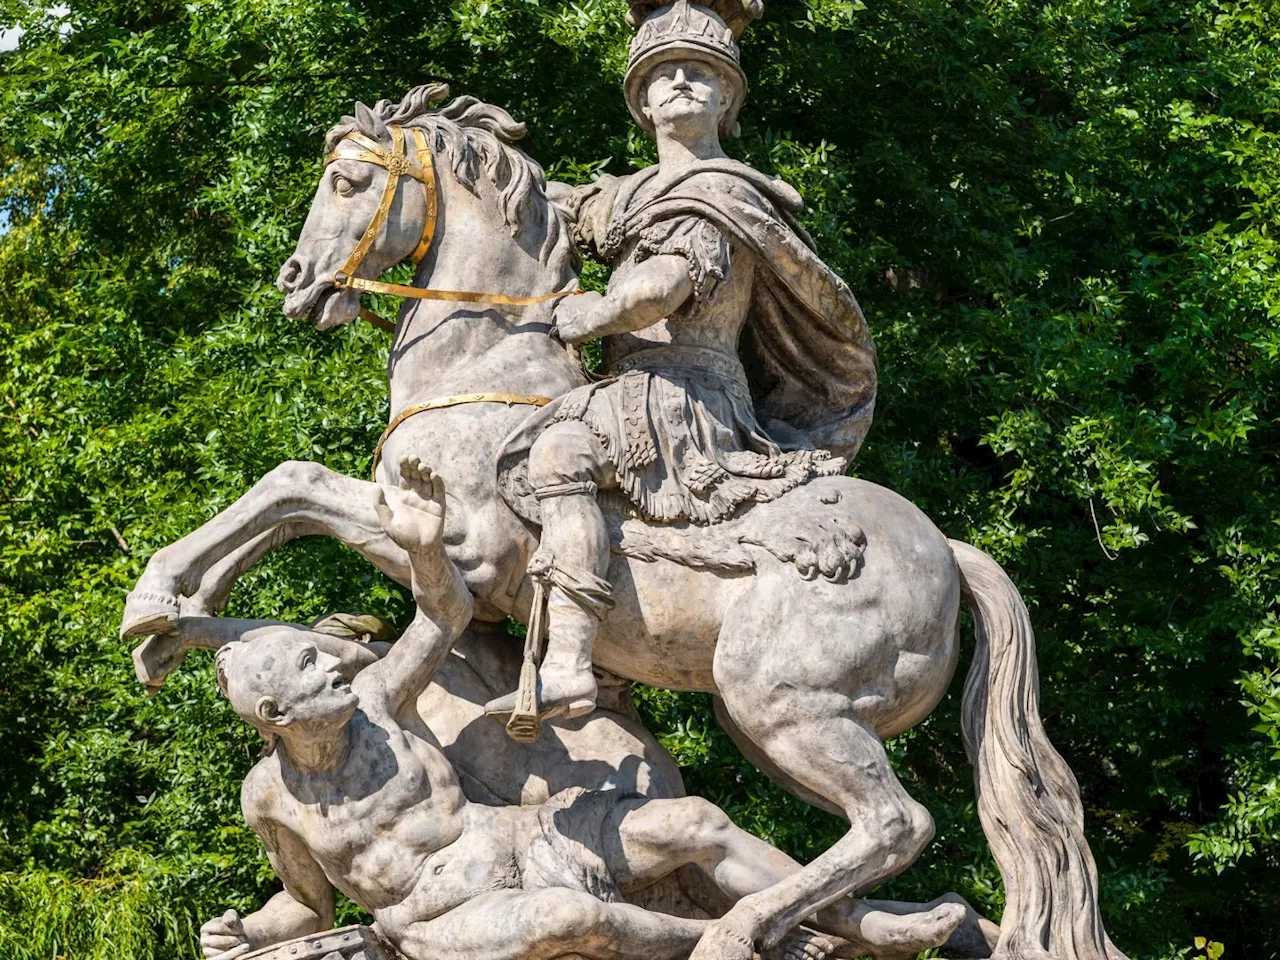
point(808, 354)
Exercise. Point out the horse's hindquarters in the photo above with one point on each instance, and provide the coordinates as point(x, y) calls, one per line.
point(885, 638)
point(666, 622)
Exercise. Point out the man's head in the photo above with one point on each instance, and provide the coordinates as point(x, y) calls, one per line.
point(681, 53)
point(283, 684)
point(686, 99)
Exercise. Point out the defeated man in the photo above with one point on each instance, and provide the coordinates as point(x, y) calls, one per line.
point(355, 794)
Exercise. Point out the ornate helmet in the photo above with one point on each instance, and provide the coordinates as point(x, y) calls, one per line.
point(681, 31)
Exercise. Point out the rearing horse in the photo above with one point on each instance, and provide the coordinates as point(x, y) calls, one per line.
point(811, 673)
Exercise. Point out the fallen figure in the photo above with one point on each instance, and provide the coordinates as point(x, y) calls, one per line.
point(356, 794)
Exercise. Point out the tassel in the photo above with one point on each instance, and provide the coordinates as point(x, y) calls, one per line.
point(524, 725)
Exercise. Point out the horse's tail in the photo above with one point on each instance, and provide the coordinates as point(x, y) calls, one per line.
point(1028, 799)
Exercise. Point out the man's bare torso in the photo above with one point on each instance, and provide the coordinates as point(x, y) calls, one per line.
point(390, 828)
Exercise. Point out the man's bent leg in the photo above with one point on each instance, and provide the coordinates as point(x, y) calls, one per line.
point(544, 924)
point(566, 467)
point(659, 836)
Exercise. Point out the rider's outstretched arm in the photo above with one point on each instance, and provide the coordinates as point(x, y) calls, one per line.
point(649, 292)
point(413, 516)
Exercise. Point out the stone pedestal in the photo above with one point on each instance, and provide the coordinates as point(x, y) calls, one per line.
point(345, 943)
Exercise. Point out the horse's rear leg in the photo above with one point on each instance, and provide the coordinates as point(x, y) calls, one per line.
point(336, 504)
point(815, 737)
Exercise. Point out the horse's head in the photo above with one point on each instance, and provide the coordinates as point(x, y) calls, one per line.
point(374, 207)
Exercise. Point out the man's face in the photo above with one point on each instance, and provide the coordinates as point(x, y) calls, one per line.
point(686, 98)
point(283, 682)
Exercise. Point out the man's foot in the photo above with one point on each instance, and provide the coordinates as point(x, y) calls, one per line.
point(567, 696)
point(801, 944)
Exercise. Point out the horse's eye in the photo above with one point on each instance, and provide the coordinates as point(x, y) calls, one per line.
point(342, 186)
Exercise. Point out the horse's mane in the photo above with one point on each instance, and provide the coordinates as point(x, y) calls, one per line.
point(473, 136)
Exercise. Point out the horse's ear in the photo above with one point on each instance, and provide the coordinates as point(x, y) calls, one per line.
point(371, 124)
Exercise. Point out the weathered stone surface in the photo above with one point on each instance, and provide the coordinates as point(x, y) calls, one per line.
point(345, 943)
point(684, 522)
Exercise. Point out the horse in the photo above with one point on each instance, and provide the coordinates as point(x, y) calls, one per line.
point(811, 672)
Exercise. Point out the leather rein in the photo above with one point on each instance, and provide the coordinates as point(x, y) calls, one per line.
point(400, 162)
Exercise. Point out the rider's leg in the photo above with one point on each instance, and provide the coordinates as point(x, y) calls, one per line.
point(543, 924)
point(659, 836)
point(566, 467)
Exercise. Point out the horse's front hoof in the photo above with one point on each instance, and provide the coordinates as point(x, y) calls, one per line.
point(155, 658)
point(148, 613)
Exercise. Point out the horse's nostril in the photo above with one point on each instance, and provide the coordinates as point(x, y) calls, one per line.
point(290, 273)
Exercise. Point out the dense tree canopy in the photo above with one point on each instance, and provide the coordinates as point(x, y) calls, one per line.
point(1060, 218)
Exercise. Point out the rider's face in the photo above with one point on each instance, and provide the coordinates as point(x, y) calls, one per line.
point(686, 98)
point(284, 682)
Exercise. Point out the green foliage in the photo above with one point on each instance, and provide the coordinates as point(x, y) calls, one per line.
point(122, 913)
point(1060, 217)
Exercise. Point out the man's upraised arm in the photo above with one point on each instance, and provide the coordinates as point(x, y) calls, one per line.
point(413, 516)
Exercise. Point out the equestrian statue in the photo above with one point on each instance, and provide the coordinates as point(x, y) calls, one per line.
point(684, 520)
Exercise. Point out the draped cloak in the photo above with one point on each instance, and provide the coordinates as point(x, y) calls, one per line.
point(808, 357)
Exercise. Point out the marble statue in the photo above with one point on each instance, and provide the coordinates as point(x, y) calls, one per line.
point(705, 251)
point(684, 522)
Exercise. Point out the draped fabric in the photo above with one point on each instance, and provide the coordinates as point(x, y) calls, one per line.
point(809, 357)
point(692, 433)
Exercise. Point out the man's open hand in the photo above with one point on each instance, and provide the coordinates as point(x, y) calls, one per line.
point(413, 516)
point(223, 938)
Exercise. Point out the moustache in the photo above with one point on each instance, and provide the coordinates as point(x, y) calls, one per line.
point(680, 95)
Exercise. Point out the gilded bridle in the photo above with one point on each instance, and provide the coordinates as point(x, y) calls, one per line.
point(399, 162)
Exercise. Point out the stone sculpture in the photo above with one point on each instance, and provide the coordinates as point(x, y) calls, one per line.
point(684, 523)
point(704, 249)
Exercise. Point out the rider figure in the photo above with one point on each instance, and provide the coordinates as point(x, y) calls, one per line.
point(707, 259)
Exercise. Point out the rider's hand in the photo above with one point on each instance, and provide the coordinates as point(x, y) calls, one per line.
point(575, 317)
point(223, 938)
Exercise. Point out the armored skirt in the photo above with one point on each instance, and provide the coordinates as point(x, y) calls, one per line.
point(678, 426)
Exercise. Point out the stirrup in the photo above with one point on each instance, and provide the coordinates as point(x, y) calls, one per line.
point(590, 592)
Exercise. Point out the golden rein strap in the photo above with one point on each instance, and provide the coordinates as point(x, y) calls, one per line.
point(399, 162)
point(439, 403)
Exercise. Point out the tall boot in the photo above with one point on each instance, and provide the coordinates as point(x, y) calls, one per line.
point(569, 564)
point(576, 602)
point(575, 606)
